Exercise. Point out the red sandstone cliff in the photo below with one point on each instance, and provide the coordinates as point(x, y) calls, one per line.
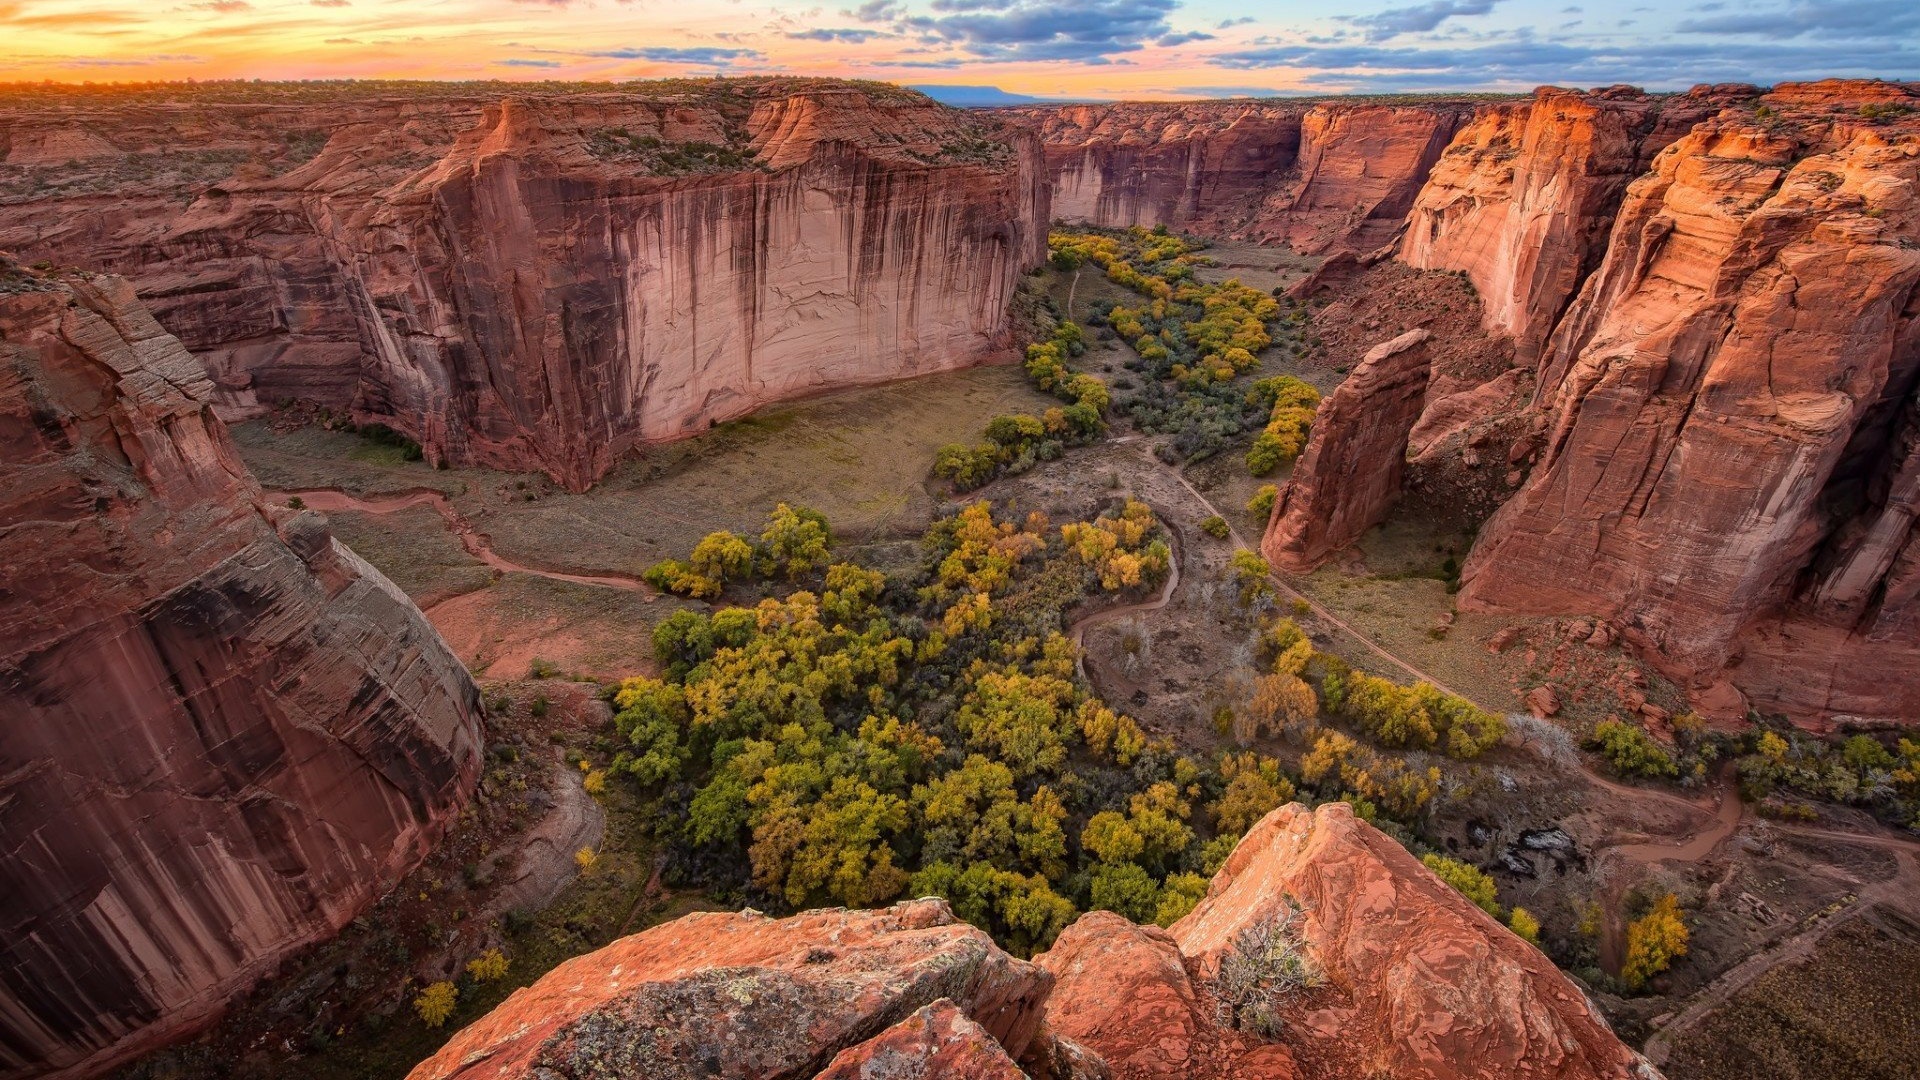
point(225, 735)
point(544, 282)
point(1728, 415)
point(1317, 176)
point(1523, 199)
point(1414, 982)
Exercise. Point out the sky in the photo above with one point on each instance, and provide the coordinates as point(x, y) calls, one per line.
point(1083, 49)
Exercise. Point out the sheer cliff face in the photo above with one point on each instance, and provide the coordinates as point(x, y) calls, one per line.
point(226, 733)
point(1318, 177)
point(1523, 199)
point(1727, 463)
point(544, 283)
point(1419, 984)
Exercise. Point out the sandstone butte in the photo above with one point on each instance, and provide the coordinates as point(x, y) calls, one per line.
point(543, 282)
point(1413, 982)
point(226, 734)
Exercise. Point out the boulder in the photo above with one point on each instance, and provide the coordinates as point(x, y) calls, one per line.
point(755, 998)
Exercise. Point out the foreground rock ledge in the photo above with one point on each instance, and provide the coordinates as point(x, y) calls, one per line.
point(1417, 983)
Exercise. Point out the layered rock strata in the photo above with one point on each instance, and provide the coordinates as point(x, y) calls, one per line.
point(1319, 176)
point(226, 733)
point(1726, 416)
point(1348, 477)
point(542, 282)
point(1407, 979)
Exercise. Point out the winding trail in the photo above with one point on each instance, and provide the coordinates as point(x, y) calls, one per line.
point(474, 542)
point(1079, 627)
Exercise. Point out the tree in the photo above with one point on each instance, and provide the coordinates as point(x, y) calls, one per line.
point(795, 541)
point(1254, 576)
point(1524, 925)
point(1654, 941)
point(1261, 505)
point(1472, 883)
point(1630, 751)
point(1280, 703)
point(1125, 888)
point(490, 965)
point(653, 716)
point(1180, 894)
point(721, 556)
point(1254, 787)
point(435, 1004)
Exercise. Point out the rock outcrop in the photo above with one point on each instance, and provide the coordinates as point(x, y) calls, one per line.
point(1727, 415)
point(545, 281)
point(1524, 197)
point(1318, 176)
point(1349, 475)
point(1411, 981)
point(226, 734)
point(752, 997)
point(1417, 982)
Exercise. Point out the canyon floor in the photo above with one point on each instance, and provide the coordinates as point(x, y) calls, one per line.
point(1794, 922)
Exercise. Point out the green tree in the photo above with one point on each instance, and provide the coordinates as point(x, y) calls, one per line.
point(1472, 883)
point(1125, 888)
point(795, 541)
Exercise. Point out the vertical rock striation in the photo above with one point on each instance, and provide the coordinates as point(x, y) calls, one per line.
point(543, 282)
point(1523, 199)
point(226, 733)
point(1728, 415)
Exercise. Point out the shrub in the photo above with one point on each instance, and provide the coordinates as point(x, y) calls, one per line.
point(488, 966)
point(1262, 502)
point(435, 1004)
point(585, 859)
point(1654, 941)
point(1216, 526)
point(1254, 576)
point(1472, 882)
point(1267, 964)
point(1524, 925)
point(1630, 751)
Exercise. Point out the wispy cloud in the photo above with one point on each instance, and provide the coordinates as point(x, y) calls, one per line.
point(1418, 19)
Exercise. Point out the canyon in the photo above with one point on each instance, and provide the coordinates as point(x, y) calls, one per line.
point(1686, 387)
point(228, 734)
point(542, 282)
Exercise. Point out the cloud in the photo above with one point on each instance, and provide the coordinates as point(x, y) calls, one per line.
point(1182, 38)
point(332, 3)
point(851, 37)
point(1413, 20)
point(1228, 24)
point(223, 6)
point(1823, 18)
point(1087, 31)
point(522, 62)
point(1521, 63)
point(661, 54)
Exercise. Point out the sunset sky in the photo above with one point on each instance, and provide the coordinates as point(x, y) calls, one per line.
point(1086, 49)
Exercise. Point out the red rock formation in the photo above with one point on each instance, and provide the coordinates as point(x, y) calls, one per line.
point(1414, 982)
point(747, 996)
point(1200, 166)
point(1125, 993)
point(1523, 199)
point(1349, 475)
point(226, 734)
point(1419, 984)
point(1726, 468)
point(571, 275)
point(936, 1043)
point(1317, 176)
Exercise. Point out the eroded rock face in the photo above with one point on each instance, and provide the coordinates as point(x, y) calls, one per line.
point(1349, 475)
point(545, 282)
point(1524, 197)
point(1419, 984)
point(1320, 177)
point(1727, 412)
point(747, 996)
point(1416, 982)
point(226, 733)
